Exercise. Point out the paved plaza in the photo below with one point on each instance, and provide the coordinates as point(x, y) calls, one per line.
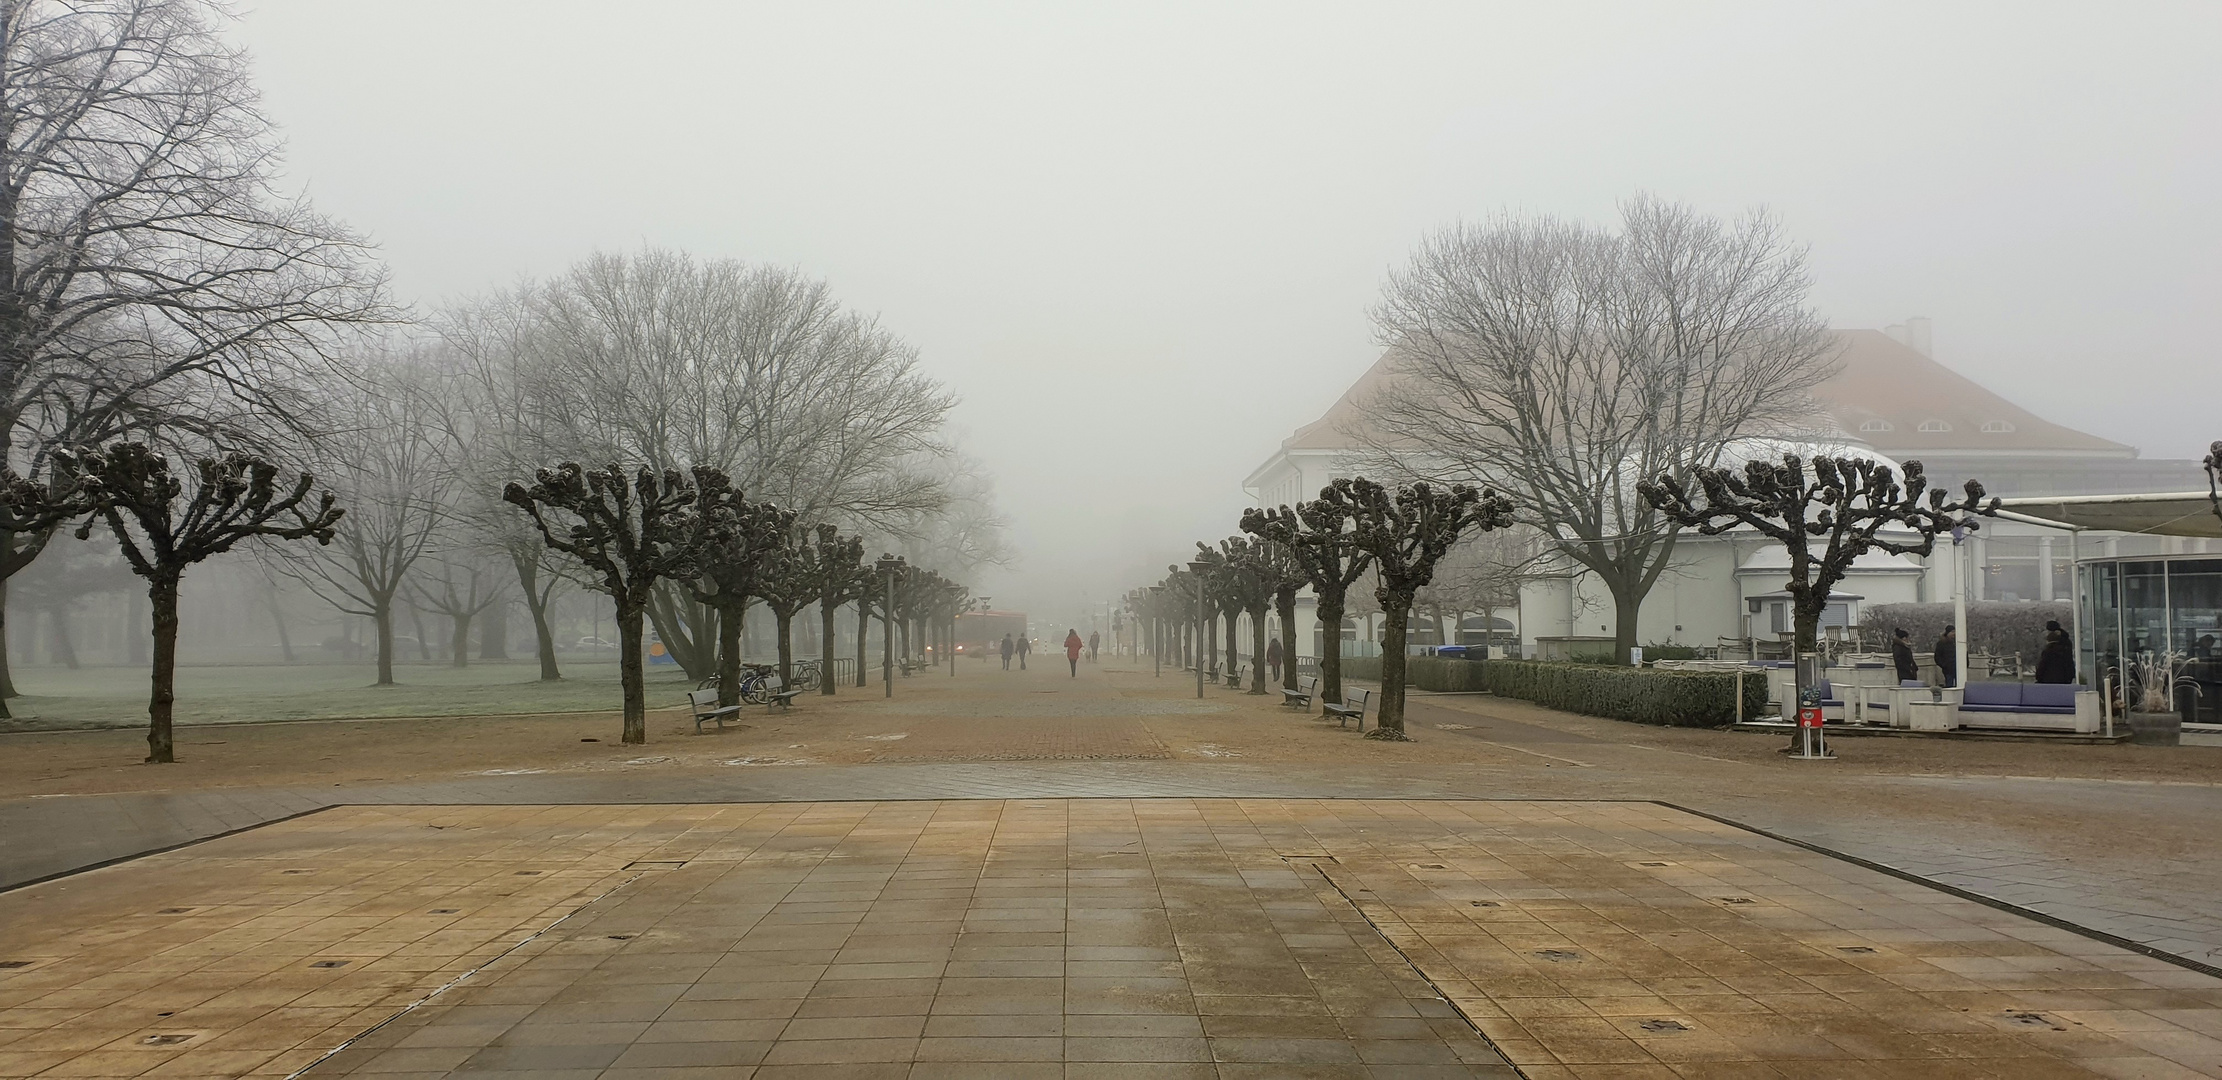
point(1041, 876)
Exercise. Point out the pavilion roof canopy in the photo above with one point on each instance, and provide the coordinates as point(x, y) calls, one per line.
point(2176, 513)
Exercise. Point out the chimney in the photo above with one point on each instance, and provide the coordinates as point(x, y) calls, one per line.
point(1917, 335)
point(1897, 332)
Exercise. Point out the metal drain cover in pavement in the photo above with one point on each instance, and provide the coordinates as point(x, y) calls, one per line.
point(1736, 900)
point(1663, 1025)
point(656, 864)
point(1558, 955)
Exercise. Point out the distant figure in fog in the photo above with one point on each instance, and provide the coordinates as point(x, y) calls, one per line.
point(1073, 645)
point(1901, 656)
point(2056, 661)
point(1009, 647)
point(1095, 643)
point(1025, 645)
point(1948, 658)
point(1273, 658)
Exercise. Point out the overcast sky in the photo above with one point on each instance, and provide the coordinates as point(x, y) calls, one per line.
point(1139, 240)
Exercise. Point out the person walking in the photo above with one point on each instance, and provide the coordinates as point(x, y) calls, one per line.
point(1073, 645)
point(1095, 643)
point(2056, 661)
point(1008, 648)
point(1948, 658)
point(1273, 659)
point(1901, 657)
point(1025, 645)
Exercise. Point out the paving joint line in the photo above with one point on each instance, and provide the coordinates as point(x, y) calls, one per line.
point(1992, 902)
point(104, 863)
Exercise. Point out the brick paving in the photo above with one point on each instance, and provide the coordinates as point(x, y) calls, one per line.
point(1058, 938)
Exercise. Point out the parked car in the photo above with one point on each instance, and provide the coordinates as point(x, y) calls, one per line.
point(590, 643)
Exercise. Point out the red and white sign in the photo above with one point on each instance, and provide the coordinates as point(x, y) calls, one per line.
point(1809, 716)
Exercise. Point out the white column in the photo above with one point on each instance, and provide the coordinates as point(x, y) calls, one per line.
point(2044, 568)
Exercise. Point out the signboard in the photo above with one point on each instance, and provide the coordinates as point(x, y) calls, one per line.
point(1809, 716)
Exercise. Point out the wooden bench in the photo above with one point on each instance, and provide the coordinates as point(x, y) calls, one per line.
point(1234, 676)
point(1353, 707)
point(1301, 697)
point(705, 704)
point(781, 696)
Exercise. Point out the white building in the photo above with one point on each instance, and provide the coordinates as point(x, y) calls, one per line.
point(1889, 399)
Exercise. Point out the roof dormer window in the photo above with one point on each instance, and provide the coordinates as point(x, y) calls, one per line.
point(1935, 425)
point(1996, 427)
point(1877, 425)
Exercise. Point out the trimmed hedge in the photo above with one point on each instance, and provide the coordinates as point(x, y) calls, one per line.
point(1642, 695)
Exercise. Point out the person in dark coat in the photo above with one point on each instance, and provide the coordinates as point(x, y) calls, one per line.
point(1073, 645)
point(1009, 647)
point(1948, 658)
point(1095, 645)
point(1273, 658)
point(2056, 661)
point(1025, 646)
point(1901, 656)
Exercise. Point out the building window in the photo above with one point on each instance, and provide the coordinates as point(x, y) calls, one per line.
point(1935, 425)
point(1996, 427)
point(1876, 425)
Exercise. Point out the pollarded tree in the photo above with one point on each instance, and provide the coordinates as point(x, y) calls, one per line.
point(1844, 503)
point(788, 584)
point(1407, 530)
point(628, 534)
point(29, 507)
point(744, 546)
point(163, 529)
point(1317, 535)
point(842, 577)
point(1251, 582)
point(1288, 579)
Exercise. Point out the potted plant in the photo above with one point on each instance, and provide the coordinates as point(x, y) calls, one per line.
point(2149, 683)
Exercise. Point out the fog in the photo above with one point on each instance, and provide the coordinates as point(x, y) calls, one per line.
point(1140, 240)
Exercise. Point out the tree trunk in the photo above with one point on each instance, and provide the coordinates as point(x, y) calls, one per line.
point(1234, 642)
point(1287, 603)
point(825, 648)
point(1257, 651)
point(631, 627)
point(1389, 721)
point(1330, 648)
point(784, 634)
point(382, 616)
point(1207, 636)
point(493, 633)
point(863, 630)
point(162, 703)
point(536, 602)
point(7, 676)
point(902, 652)
point(729, 654)
point(277, 618)
point(686, 628)
point(424, 641)
point(459, 642)
point(1627, 604)
point(65, 650)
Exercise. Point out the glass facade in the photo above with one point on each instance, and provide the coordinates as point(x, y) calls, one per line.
point(2163, 605)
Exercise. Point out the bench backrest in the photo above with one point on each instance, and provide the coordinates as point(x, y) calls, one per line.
point(2049, 695)
point(1991, 693)
point(1360, 698)
point(1307, 685)
point(702, 699)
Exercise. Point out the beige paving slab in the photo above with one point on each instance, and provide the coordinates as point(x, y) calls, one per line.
point(1072, 938)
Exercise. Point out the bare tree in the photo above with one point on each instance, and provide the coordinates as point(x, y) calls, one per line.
point(1561, 364)
point(461, 588)
point(1317, 535)
point(842, 577)
point(147, 267)
point(164, 529)
point(384, 454)
point(745, 545)
point(630, 533)
point(2213, 464)
point(1407, 530)
point(1843, 503)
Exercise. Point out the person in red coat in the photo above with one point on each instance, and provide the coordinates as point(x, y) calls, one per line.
point(1073, 645)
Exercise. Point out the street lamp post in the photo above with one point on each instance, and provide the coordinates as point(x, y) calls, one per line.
point(1198, 568)
point(1157, 644)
